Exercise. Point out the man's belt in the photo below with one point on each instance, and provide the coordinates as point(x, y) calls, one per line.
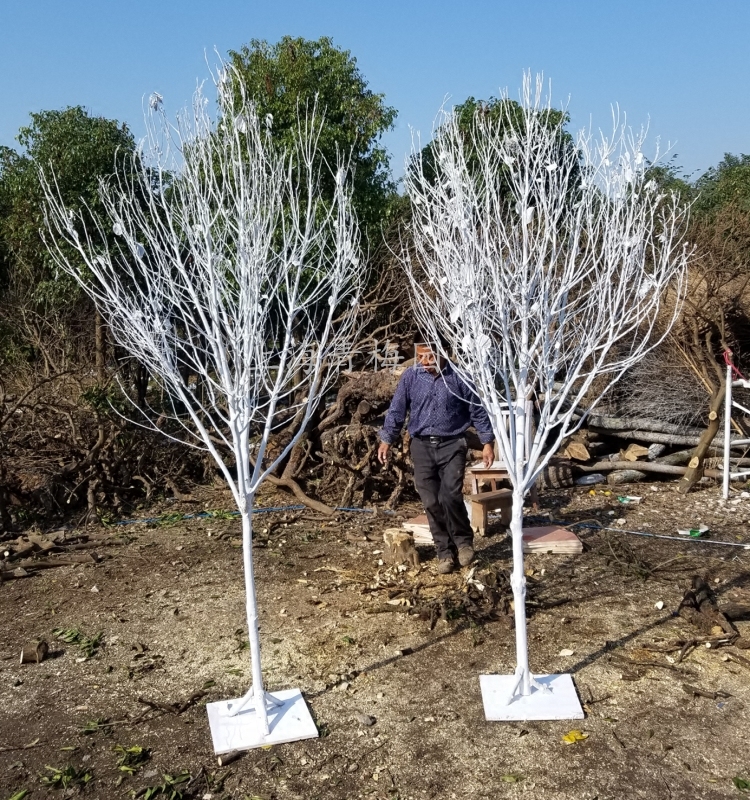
point(437, 439)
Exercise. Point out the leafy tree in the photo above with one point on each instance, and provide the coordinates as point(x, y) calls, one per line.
point(79, 150)
point(669, 179)
point(727, 184)
point(504, 115)
point(283, 78)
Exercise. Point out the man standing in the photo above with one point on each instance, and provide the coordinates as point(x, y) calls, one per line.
point(441, 407)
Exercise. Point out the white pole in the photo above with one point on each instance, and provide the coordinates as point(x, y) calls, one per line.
point(727, 429)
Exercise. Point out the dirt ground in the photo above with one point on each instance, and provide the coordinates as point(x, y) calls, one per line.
point(397, 703)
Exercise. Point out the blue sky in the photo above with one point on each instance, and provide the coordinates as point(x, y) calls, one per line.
point(681, 65)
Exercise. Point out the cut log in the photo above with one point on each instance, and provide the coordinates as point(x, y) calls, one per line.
point(41, 544)
point(655, 450)
point(694, 471)
point(634, 452)
point(399, 547)
point(678, 459)
point(577, 451)
point(18, 551)
point(603, 423)
point(625, 476)
point(72, 559)
point(556, 475)
point(643, 466)
point(665, 438)
point(229, 758)
point(34, 653)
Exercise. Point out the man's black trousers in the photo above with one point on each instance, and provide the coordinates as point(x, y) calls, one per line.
point(439, 478)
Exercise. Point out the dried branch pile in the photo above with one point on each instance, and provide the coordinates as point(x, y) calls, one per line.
point(65, 453)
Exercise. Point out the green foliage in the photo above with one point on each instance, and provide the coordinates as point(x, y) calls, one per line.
point(19, 795)
point(95, 725)
point(168, 788)
point(285, 77)
point(169, 518)
point(720, 226)
point(131, 759)
point(220, 514)
point(503, 112)
point(66, 777)
point(88, 645)
point(79, 150)
point(727, 184)
point(668, 178)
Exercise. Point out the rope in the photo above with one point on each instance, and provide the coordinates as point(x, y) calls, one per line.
point(682, 539)
point(728, 361)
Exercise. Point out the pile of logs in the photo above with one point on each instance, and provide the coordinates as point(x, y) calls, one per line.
point(629, 449)
point(27, 554)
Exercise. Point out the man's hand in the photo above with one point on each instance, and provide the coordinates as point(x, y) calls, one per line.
point(383, 451)
point(488, 455)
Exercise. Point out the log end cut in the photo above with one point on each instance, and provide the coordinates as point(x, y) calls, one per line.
point(34, 653)
point(399, 547)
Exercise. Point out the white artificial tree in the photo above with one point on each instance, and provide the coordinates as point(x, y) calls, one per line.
point(550, 265)
point(234, 282)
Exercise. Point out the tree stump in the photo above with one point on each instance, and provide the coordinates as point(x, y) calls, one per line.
point(34, 653)
point(399, 547)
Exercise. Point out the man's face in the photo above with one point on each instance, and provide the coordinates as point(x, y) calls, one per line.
point(427, 358)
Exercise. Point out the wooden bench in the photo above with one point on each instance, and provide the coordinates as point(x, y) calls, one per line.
point(484, 502)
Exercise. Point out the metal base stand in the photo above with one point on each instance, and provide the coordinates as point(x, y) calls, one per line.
point(235, 724)
point(552, 697)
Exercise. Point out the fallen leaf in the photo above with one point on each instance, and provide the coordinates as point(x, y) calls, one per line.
point(659, 605)
point(565, 652)
point(511, 778)
point(571, 737)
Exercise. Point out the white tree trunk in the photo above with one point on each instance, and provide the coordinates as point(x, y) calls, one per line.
point(518, 582)
point(252, 612)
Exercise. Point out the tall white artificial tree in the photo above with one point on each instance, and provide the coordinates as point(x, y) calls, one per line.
point(551, 265)
point(235, 283)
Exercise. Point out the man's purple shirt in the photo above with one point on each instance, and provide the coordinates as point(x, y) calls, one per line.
point(439, 405)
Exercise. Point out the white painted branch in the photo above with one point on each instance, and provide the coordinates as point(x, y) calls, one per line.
point(545, 262)
point(228, 264)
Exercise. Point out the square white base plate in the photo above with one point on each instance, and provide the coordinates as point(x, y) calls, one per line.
point(561, 702)
point(287, 723)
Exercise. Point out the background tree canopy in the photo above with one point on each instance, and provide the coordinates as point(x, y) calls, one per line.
point(284, 77)
point(79, 149)
point(501, 111)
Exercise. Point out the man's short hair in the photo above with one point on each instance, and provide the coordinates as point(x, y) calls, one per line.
point(429, 339)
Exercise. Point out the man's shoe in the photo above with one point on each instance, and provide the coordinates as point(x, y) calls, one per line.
point(445, 566)
point(465, 555)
